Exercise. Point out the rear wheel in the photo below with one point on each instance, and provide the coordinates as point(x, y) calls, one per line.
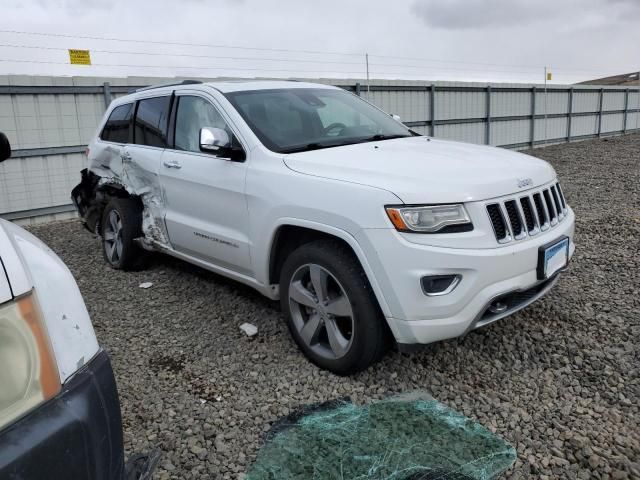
point(121, 225)
point(331, 311)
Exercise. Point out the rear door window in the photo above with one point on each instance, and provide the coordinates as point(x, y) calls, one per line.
point(117, 127)
point(151, 122)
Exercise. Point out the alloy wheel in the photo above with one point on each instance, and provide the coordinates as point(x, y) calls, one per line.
point(321, 311)
point(113, 237)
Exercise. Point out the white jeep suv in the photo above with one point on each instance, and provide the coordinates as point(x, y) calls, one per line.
point(364, 229)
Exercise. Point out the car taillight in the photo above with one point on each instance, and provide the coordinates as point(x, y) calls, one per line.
point(28, 370)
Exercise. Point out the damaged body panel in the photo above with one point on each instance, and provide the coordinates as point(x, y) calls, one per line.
point(112, 173)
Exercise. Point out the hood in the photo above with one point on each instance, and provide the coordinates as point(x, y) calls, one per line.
point(427, 170)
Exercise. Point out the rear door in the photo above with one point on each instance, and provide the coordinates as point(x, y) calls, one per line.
point(142, 158)
point(105, 155)
point(206, 211)
point(149, 139)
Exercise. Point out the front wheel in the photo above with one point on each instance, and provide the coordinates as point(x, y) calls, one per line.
point(331, 311)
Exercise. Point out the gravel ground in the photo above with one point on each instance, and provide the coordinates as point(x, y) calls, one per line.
point(559, 380)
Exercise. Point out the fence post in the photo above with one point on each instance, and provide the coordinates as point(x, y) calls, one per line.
point(569, 114)
point(600, 113)
point(533, 116)
point(432, 108)
point(106, 87)
point(487, 132)
point(358, 88)
point(626, 110)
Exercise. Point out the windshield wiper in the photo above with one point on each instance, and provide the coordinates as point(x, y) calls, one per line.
point(379, 136)
point(307, 147)
point(318, 146)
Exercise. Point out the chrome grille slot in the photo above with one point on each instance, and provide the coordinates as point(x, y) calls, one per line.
point(543, 217)
point(527, 215)
point(556, 201)
point(561, 195)
point(498, 222)
point(514, 218)
point(551, 210)
point(529, 219)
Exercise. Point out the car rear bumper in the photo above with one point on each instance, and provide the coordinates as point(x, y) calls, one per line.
point(77, 434)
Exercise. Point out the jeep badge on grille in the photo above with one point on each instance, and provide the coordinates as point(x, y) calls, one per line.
point(524, 182)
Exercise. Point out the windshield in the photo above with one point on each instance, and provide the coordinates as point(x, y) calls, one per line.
point(300, 119)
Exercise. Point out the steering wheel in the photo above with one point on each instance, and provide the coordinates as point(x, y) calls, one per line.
point(334, 126)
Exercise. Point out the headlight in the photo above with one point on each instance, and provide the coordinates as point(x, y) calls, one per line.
point(29, 373)
point(429, 218)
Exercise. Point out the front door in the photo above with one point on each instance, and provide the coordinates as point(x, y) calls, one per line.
point(206, 210)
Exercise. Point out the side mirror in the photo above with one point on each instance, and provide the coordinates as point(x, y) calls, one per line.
point(217, 141)
point(214, 140)
point(396, 117)
point(5, 147)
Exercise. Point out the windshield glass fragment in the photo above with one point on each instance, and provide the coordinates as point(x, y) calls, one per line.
point(404, 438)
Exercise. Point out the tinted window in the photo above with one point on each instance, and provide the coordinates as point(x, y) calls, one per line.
point(151, 122)
point(193, 114)
point(117, 127)
point(299, 119)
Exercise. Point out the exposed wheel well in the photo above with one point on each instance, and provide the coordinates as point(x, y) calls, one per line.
point(103, 196)
point(290, 237)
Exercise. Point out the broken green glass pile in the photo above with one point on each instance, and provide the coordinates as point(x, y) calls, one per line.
point(402, 438)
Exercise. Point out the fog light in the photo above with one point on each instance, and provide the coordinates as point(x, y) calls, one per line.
point(433, 285)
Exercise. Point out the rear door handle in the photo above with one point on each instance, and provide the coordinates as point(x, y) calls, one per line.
point(125, 156)
point(172, 164)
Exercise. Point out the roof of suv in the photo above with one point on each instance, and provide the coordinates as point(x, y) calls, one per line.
point(223, 86)
point(242, 85)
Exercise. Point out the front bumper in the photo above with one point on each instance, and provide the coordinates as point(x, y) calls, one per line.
point(77, 434)
point(487, 274)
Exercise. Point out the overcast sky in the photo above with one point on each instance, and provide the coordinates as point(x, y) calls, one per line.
point(474, 40)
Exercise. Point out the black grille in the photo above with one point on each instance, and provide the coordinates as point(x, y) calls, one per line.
point(556, 200)
point(525, 203)
point(542, 216)
point(531, 213)
point(550, 209)
point(561, 195)
point(497, 221)
point(514, 300)
point(514, 217)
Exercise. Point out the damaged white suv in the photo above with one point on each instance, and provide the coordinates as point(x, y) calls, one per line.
point(365, 230)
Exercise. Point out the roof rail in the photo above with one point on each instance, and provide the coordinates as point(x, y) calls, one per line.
point(183, 82)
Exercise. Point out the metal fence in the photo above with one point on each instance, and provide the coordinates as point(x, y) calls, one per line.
point(49, 121)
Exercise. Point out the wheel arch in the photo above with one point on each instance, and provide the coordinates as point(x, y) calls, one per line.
point(291, 233)
point(92, 196)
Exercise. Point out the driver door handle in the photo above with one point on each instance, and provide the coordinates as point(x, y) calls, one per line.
point(172, 164)
point(126, 157)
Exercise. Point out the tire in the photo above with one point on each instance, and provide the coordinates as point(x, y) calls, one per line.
point(121, 224)
point(359, 335)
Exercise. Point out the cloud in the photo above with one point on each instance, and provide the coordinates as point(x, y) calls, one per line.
point(463, 14)
point(478, 14)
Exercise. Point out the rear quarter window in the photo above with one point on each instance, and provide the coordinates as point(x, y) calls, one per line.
point(117, 127)
point(151, 120)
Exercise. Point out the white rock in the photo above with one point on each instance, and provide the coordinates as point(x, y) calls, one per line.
point(249, 329)
point(145, 284)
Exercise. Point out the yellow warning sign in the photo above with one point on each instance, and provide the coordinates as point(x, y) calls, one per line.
point(549, 76)
point(79, 57)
